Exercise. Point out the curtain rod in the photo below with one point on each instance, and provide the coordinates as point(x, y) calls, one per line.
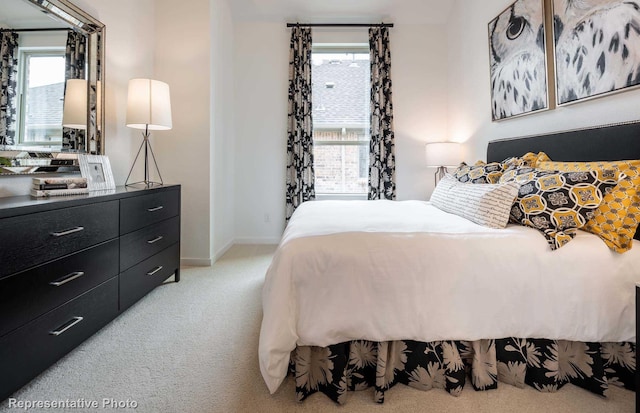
point(35, 30)
point(339, 24)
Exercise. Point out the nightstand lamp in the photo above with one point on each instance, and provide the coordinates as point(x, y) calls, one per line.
point(440, 155)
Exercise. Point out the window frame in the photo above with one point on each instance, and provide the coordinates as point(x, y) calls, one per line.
point(342, 48)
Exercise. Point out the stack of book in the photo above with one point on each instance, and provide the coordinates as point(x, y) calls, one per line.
point(45, 187)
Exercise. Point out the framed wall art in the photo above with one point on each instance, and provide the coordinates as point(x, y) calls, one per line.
point(518, 60)
point(596, 48)
point(97, 170)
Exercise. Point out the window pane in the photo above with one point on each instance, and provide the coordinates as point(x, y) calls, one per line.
point(341, 111)
point(44, 90)
point(341, 169)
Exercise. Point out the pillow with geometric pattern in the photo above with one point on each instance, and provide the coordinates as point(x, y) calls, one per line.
point(558, 203)
point(480, 173)
point(528, 160)
point(616, 219)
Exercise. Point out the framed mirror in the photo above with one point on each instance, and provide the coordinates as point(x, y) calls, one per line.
point(51, 84)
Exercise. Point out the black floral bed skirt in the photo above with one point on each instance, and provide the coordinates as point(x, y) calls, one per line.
point(544, 364)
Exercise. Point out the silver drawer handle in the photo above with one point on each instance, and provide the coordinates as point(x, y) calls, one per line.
point(155, 270)
point(156, 239)
point(158, 208)
point(66, 326)
point(67, 232)
point(67, 278)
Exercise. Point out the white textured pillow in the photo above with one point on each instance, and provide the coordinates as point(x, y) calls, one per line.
point(484, 204)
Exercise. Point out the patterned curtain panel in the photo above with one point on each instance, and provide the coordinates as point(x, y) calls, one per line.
point(8, 86)
point(75, 68)
point(300, 173)
point(382, 160)
point(546, 365)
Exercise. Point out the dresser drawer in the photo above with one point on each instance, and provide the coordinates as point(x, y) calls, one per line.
point(139, 245)
point(138, 280)
point(30, 240)
point(140, 211)
point(29, 294)
point(34, 347)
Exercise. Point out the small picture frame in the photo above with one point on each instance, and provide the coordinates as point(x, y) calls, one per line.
point(97, 170)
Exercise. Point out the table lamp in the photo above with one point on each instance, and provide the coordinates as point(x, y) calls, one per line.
point(148, 108)
point(440, 155)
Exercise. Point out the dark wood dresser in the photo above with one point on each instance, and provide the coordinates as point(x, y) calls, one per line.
point(69, 265)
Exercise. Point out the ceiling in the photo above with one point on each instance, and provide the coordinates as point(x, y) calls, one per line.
point(343, 11)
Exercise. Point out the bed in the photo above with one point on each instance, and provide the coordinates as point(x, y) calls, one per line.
point(372, 294)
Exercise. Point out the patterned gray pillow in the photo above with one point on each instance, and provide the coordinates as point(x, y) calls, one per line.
point(484, 204)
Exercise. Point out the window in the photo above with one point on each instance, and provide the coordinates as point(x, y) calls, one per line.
point(41, 97)
point(341, 110)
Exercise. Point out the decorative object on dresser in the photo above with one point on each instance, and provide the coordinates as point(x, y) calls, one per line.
point(440, 155)
point(148, 108)
point(72, 264)
point(97, 170)
point(45, 187)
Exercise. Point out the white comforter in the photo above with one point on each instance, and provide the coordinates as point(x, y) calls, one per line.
point(388, 270)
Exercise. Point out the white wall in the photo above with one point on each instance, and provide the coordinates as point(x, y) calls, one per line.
point(193, 54)
point(223, 133)
point(261, 67)
point(183, 60)
point(469, 94)
point(419, 97)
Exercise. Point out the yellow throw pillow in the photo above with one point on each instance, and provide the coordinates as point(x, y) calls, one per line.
point(617, 217)
point(533, 159)
point(528, 160)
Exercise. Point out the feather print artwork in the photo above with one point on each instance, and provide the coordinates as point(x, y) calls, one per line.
point(517, 60)
point(597, 46)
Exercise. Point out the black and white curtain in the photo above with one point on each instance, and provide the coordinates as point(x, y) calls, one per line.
point(382, 162)
point(300, 172)
point(75, 68)
point(8, 86)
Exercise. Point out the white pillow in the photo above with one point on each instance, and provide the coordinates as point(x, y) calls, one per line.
point(484, 204)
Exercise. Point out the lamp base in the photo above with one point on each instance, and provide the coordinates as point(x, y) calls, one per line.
point(144, 184)
point(440, 173)
point(147, 149)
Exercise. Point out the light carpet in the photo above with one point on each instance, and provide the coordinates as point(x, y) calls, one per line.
point(192, 347)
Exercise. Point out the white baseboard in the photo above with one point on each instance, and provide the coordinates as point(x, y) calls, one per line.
point(204, 262)
point(259, 241)
point(196, 262)
point(222, 250)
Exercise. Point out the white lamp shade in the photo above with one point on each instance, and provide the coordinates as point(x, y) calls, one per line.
point(148, 105)
point(443, 154)
point(74, 112)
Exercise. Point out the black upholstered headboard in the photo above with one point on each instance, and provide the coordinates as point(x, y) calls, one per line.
point(603, 143)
